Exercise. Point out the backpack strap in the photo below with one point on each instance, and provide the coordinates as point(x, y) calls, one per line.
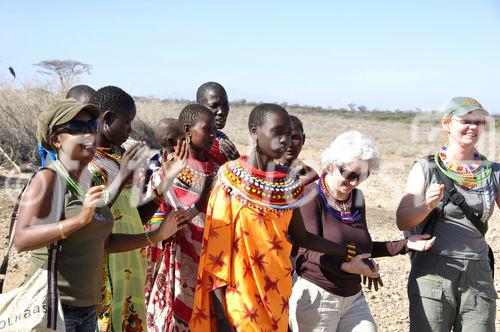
point(452, 195)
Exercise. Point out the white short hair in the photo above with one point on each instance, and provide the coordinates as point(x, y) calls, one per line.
point(351, 146)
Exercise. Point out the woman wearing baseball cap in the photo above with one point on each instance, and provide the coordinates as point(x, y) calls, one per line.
point(452, 195)
point(60, 205)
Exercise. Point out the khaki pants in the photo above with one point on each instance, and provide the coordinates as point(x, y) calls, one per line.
point(448, 293)
point(314, 309)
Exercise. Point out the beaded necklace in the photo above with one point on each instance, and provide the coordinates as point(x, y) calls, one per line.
point(193, 179)
point(277, 190)
point(468, 175)
point(341, 209)
point(105, 165)
point(69, 180)
point(461, 168)
point(75, 187)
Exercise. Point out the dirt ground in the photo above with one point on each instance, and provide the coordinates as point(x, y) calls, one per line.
point(399, 145)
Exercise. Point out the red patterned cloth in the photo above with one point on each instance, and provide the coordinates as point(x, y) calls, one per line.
point(172, 265)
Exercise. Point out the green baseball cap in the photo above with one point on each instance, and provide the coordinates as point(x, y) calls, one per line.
point(460, 106)
point(57, 113)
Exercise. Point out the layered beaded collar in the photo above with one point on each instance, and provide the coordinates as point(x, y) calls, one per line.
point(460, 168)
point(193, 176)
point(276, 190)
point(106, 164)
point(466, 174)
point(340, 209)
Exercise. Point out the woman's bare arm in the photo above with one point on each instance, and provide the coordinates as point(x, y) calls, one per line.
point(32, 230)
point(417, 202)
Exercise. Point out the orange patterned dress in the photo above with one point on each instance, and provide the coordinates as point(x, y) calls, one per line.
point(246, 249)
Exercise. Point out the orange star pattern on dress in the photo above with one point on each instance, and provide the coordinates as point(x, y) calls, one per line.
point(250, 255)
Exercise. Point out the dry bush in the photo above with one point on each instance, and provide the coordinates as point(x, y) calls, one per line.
point(19, 109)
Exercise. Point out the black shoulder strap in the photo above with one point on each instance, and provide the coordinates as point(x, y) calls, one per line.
point(13, 218)
point(452, 195)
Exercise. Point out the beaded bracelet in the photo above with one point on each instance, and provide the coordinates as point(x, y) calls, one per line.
point(351, 252)
point(157, 197)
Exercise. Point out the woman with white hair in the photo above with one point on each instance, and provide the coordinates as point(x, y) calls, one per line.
point(327, 295)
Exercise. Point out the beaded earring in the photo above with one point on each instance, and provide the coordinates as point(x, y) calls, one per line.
point(188, 139)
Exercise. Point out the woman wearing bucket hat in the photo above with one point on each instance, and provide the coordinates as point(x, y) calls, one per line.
point(452, 194)
point(60, 205)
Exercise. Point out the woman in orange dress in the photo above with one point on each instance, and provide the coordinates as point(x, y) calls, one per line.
point(244, 276)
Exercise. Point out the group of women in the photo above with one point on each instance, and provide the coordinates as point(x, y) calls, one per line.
point(206, 245)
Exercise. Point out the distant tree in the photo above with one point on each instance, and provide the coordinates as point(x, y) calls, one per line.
point(362, 108)
point(352, 107)
point(65, 70)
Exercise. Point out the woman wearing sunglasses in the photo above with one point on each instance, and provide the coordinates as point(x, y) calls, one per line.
point(60, 205)
point(327, 295)
point(451, 286)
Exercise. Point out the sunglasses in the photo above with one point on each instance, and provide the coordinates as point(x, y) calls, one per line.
point(79, 127)
point(467, 122)
point(351, 176)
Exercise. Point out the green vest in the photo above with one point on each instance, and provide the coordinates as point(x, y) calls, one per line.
point(80, 260)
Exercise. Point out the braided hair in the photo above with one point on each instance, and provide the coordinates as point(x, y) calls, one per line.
point(191, 113)
point(112, 98)
point(260, 112)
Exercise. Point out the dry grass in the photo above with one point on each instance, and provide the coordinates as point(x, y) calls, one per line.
point(18, 112)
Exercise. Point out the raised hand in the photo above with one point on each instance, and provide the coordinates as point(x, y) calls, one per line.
point(421, 242)
point(133, 159)
point(228, 149)
point(172, 223)
point(92, 199)
point(173, 163)
point(433, 195)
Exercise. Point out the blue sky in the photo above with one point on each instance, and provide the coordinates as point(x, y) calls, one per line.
point(382, 54)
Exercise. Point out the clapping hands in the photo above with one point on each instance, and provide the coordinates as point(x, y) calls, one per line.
point(173, 163)
point(133, 159)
